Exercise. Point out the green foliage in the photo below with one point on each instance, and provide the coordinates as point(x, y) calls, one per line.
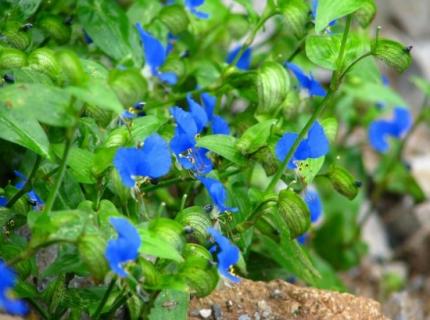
point(77, 93)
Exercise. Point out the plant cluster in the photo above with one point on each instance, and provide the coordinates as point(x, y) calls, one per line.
point(165, 146)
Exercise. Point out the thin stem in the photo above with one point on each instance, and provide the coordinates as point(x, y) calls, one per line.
point(104, 299)
point(27, 184)
point(60, 174)
point(334, 85)
point(368, 54)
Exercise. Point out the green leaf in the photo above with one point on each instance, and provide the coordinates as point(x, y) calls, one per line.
point(48, 104)
point(330, 126)
point(170, 304)
point(296, 13)
point(329, 10)
point(92, 248)
point(366, 13)
point(223, 145)
point(175, 18)
point(145, 126)
point(18, 128)
point(27, 7)
point(156, 246)
point(324, 50)
point(255, 137)
point(393, 53)
point(421, 84)
point(273, 84)
point(108, 26)
point(374, 92)
point(251, 13)
point(97, 92)
point(65, 263)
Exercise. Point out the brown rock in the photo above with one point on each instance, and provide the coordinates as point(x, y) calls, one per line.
point(291, 302)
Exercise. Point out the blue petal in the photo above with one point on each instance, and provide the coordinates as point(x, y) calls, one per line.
point(181, 142)
point(7, 282)
point(306, 82)
point(155, 53)
point(125, 247)
point(202, 164)
point(314, 204)
point(32, 195)
point(155, 157)
point(219, 125)
point(3, 201)
point(317, 142)
point(192, 4)
point(198, 113)
point(209, 103)
point(284, 145)
point(302, 238)
point(378, 135)
point(228, 255)
point(168, 77)
point(217, 192)
point(185, 121)
point(402, 121)
point(126, 161)
point(244, 61)
point(314, 7)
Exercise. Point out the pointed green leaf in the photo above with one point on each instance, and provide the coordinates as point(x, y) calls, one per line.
point(324, 50)
point(153, 245)
point(375, 92)
point(18, 128)
point(143, 127)
point(170, 304)
point(255, 137)
point(223, 145)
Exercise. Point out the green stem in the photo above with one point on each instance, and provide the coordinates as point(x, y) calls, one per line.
point(61, 172)
point(334, 85)
point(38, 307)
point(104, 299)
point(27, 185)
point(368, 54)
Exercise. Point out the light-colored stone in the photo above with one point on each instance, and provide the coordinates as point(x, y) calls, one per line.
point(205, 313)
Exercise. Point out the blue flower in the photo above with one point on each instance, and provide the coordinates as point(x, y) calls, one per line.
point(36, 202)
point(134, 112)
point(188, 125)
point(245, 59)
point(314, 204)
point(192, 5)
point(381, 130)
point(7, 303)
point(124, 248)
point(218, 124)
point(155, 55)
point(217, 192)
point(152, 160)
point(306, 81)
point(227, 255)
point(3, 201)
point(314, 146)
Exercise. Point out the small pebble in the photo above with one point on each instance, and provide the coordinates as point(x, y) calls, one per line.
point(229, 305)
point(276, 294)
point(244, 317)
point(216, 308)
point(205, 313)
point(257, 316)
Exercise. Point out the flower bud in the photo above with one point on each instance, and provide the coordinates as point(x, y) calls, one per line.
point(168, 230)
point(294, 211)
point(55, 28)
point(343, 182)
point(197, 220)
point(129, 85)
point(11, 58)
point(44, 60)
point(175, 18)
point(200, 281)
point(116, 138)
point(72, 67)
point(18, 39)
point(196, 256)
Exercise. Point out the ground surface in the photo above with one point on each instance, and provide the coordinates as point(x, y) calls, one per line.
point(281, 300)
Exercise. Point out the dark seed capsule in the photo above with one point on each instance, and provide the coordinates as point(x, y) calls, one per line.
point(27, 27)
point(32, 202)
point(358, 184)
point(208, 208)
point(409, 49)
point(8, 78)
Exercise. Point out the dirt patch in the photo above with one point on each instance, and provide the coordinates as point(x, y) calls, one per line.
point(278, 300)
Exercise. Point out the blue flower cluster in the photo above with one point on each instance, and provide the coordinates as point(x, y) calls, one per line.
point(7, 302)
point(227, 254)
point(381, 129)
point(123, 249)
point(314, 146)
